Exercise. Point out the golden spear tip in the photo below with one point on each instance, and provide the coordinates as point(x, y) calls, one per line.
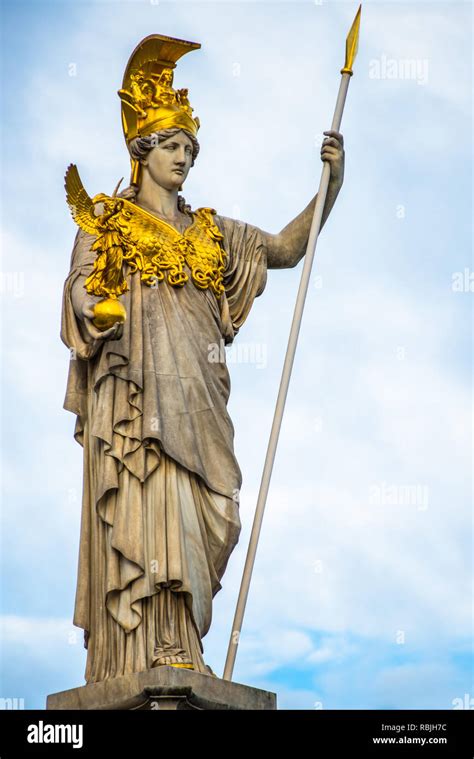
point(352, 43)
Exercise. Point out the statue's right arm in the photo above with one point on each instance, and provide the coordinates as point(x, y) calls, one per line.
point(83, 305)
point(80, 297)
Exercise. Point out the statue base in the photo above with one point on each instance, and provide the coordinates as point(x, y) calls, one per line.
point(163, 687)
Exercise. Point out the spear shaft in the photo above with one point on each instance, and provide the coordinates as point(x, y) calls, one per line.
point(346, 73)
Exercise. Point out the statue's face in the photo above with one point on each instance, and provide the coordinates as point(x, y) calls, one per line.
point(169, 162)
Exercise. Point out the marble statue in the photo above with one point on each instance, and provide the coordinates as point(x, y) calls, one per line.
point(153, 288)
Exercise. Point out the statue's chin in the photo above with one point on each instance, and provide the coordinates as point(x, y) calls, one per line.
point(173, 184)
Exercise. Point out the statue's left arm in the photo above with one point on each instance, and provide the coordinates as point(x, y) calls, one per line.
point(287, 248)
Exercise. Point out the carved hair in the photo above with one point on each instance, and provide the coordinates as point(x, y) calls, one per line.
point(141, 146)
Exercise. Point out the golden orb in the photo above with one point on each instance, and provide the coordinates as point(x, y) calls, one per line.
point(107, 312)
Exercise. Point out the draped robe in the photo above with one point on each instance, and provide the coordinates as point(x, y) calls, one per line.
point(160, 510)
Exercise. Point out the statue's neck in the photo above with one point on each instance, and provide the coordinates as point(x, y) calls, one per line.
point(156, 198)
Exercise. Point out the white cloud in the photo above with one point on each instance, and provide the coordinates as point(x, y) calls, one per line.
point(38, 637)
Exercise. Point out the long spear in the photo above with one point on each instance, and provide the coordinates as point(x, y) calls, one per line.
point(351, 51)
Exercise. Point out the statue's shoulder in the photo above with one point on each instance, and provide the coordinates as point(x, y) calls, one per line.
point(209, 219)
point(228, 226)
point(205, 212)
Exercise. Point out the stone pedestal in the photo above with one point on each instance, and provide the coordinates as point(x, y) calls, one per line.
point(163, 688)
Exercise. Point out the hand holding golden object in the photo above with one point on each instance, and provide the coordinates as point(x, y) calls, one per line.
point(87, 315)
point(107, 312)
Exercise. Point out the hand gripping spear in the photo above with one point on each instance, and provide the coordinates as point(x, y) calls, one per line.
point(351, 50)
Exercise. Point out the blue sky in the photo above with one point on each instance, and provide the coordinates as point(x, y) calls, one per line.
point(361, 595)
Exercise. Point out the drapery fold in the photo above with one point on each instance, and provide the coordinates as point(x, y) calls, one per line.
point(161, 482)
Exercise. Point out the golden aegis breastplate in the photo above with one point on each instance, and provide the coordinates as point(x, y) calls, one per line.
point(128, 234)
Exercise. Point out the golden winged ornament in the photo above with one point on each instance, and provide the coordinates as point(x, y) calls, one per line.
point(126, 233)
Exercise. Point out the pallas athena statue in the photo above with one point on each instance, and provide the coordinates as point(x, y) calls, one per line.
point(153, 288)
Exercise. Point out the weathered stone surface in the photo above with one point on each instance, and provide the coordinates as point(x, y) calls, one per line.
point(163, 688)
